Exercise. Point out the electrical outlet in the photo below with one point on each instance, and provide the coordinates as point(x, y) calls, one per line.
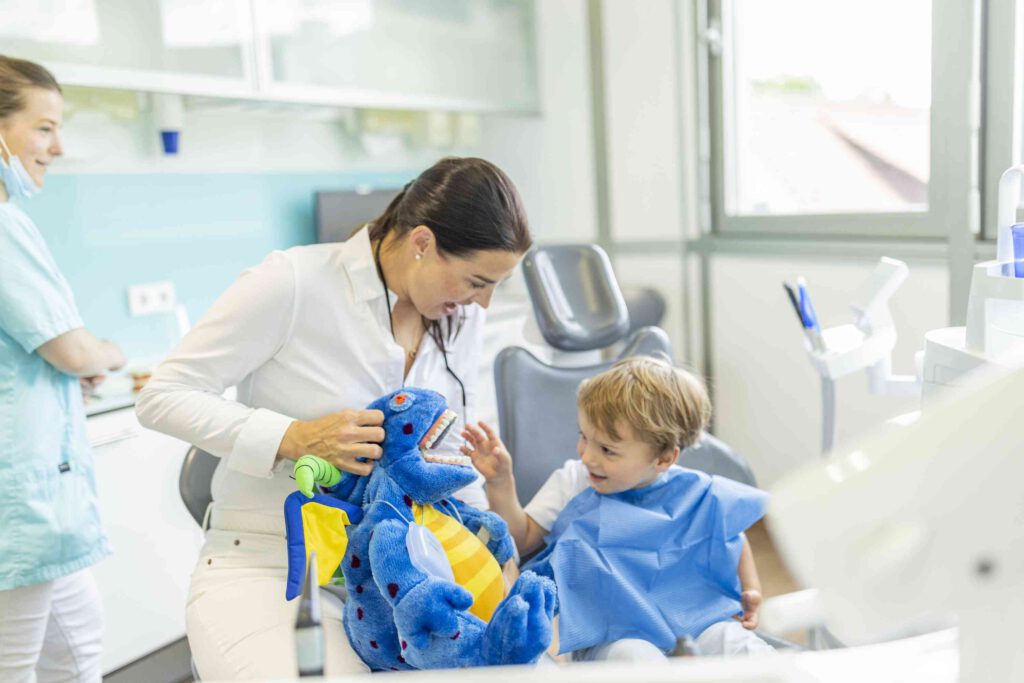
point(154, 297)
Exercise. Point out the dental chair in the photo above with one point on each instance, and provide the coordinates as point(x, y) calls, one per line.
point(194, 487)
point(579, 307)
point(194, 483)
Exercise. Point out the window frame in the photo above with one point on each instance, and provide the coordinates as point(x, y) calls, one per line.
point(947, 190)
point(1003, 127)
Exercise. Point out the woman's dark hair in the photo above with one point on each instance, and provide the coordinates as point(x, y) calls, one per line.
point(15, 76)
point(470, 205)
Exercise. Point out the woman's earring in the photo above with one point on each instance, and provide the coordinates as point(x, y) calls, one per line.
point(418, 256)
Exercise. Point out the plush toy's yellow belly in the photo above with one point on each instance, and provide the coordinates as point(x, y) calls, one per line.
point(474, 566)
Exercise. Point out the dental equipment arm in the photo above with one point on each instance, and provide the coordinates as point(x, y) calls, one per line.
point(865, 345)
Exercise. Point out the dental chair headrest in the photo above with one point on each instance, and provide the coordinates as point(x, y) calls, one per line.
point(576, 300)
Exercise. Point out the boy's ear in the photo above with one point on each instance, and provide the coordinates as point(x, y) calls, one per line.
point(667, 458)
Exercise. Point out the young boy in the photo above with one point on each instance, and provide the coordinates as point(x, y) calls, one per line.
point(643, 551)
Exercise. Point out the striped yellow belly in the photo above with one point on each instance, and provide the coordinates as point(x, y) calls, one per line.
point(473, 565)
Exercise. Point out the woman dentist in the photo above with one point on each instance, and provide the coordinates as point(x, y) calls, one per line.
point(309, 337)
point(51, 620)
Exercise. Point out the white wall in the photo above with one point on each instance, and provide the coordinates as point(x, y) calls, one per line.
point(644, 122)
point(660, 272)
point(767, 396)
point(114, 132)
point(551, 159)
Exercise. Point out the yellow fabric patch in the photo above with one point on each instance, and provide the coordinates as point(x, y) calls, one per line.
point(473, 565)
point(325, 533)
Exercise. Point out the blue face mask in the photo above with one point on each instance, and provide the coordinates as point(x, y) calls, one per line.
point(14, 176)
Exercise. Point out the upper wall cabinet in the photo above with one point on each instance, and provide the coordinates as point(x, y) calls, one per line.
point(201, 47)
point(463, 55)
point(469, 55)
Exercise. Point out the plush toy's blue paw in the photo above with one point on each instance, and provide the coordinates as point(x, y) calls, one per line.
point(521, 627)
point(500, 543)
point(432, 608)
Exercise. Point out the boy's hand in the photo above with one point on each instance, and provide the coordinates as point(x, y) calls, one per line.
point(751, 601)
point(489, 455)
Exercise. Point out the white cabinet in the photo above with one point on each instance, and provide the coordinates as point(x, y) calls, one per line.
point(156, 542)
point(444, 54)
point(202, 47)
point(462, 55)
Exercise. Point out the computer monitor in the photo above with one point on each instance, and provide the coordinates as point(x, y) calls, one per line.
point(340, 213)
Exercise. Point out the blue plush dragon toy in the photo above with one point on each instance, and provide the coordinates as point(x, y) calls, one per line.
point(425, 588)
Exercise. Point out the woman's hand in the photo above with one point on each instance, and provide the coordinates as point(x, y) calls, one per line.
point(115, 356)
point(90, 384)
point(489, 455)
point(348, 439)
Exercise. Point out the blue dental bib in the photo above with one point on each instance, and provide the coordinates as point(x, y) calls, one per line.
point(655, 563)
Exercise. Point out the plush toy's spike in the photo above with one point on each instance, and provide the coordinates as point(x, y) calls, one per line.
point(310, 470)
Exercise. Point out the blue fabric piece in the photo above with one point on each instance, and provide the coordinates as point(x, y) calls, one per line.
point(51, 523)
point(656, 563)
point(296, 535)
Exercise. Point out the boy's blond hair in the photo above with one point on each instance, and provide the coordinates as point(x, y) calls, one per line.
point(665, 406)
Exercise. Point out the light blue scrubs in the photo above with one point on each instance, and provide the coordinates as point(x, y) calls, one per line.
point(49, 521)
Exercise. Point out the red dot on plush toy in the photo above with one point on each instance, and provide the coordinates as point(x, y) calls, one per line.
point(401, 659)
point(407, 499)
point(404, 644)
point(359, 613)
point(355, 562)
point(407, 428)
point(373, 644)
point(392, 589)
point(359, 588)
point(456, 636)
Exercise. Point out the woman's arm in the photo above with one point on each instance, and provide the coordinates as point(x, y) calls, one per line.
point(244, 329)
point(79, 352)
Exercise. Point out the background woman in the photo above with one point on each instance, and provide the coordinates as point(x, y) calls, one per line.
point(51, 620)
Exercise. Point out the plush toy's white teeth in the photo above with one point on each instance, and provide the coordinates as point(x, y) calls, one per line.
point(463, 460)
point(439, 430)
point(435, 439)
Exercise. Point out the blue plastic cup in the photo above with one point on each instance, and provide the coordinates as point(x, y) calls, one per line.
point(1017, 234)
point(169, 138)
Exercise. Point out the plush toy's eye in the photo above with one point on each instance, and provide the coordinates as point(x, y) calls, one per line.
point(400, 402)
point(407, 428)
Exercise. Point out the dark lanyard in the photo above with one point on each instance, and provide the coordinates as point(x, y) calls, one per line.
point(391, 323)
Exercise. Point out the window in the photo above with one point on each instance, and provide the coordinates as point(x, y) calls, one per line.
point(825, 115)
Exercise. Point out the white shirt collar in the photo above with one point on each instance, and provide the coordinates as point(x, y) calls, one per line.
point(357, 255)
